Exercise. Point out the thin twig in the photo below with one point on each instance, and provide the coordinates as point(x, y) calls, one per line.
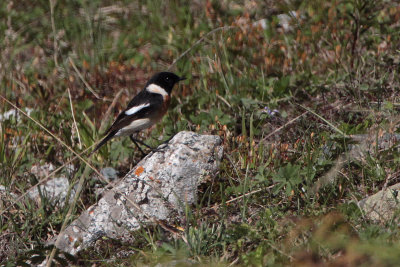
point(73, 117)
point(324, 120)
point(53, 27)
point(110, 108)
point(233, 165)
point(234, 262)
point(199, 41)
point(244, 195)
point(83, 79)
point(285, 125)
point(224, 100)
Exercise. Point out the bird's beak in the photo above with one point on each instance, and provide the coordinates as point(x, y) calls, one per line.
point(182, 78)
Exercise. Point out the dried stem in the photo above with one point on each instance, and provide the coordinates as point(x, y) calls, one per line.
point(53, 26)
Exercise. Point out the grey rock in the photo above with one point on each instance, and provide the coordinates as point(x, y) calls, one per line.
point(285, 21)
point(367, 144)
point(41, 171)
point(157, 189)
point(14, 113)
point(55, 190)
point(382, 206)
point(263, 23)
point(70, 169)
point(110, 174)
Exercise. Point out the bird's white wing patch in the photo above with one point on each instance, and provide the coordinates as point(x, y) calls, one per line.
point(135, 109)
point(156, 89)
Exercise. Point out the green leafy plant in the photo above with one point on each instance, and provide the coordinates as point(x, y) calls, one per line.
point(289, 179)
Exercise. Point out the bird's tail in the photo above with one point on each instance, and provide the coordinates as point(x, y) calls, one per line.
point(102, 142)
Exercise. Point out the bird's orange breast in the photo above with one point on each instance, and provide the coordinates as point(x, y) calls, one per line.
point(164, 107)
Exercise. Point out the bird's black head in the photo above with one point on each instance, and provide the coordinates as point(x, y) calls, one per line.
point(166, 80)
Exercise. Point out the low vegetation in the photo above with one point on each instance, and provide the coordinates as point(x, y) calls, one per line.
point(286, 84)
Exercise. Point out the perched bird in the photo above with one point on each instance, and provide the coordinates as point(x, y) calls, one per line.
point(145, 109)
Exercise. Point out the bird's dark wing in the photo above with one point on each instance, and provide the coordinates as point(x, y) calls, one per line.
point(142, 105)
point(139, 99)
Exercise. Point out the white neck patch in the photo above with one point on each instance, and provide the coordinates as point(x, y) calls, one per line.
point(155, 89)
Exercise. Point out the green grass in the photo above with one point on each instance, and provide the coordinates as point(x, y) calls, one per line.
point(333, 74)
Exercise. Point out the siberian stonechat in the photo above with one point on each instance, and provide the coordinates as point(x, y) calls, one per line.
point(145, 109)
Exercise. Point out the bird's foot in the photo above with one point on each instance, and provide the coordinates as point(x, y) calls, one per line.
point(160, 148)
point(153, 149)
point(135, 141)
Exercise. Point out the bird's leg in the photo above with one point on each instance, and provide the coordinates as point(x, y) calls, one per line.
point(134, 141)
point(153, 149)
point(143, 143)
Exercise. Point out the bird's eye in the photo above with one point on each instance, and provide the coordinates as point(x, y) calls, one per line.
point(167, 78)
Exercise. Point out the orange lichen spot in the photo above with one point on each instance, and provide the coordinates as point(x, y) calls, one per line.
point(70, 238)
point(139, 171)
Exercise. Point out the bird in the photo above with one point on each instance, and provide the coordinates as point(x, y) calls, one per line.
point(144, 110)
